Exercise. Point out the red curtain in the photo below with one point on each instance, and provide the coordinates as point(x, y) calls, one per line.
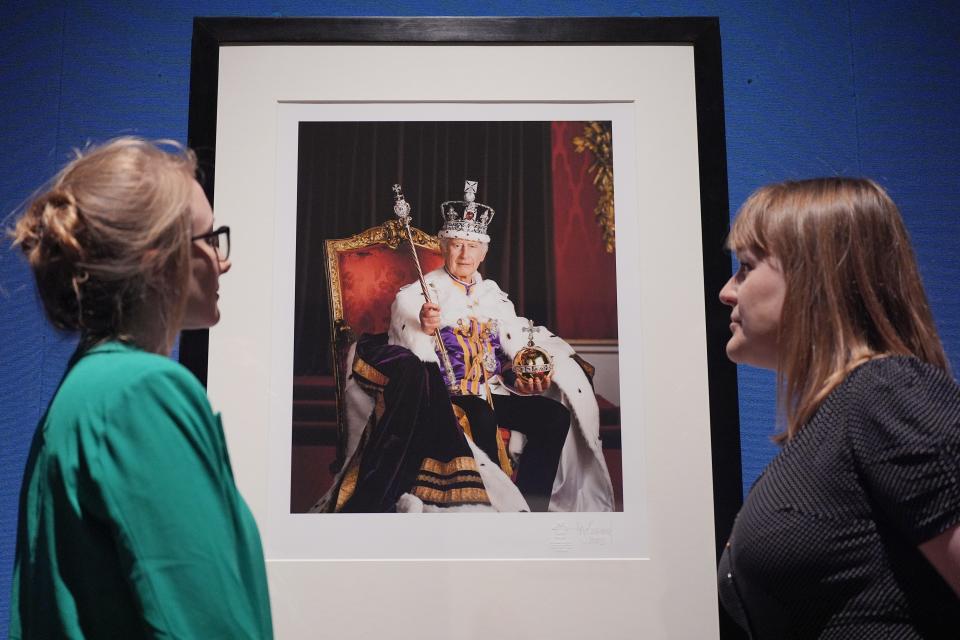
point(586, 283)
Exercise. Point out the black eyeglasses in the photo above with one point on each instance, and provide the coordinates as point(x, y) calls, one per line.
point(219, 239)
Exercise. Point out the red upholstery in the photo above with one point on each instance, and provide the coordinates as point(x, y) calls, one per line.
point(370, 278)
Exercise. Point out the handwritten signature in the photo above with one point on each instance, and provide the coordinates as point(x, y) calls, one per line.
point(565, 535)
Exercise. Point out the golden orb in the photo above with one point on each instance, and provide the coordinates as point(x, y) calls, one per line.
point(532, 363)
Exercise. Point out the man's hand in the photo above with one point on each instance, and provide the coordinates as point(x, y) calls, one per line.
point(533, 387)
point(429, 318)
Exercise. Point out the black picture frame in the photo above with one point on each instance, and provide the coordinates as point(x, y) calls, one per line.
point(702, 33)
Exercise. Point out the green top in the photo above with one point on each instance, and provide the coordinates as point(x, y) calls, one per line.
point(130, 524)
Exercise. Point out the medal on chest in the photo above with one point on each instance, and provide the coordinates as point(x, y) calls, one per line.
point(480, 335)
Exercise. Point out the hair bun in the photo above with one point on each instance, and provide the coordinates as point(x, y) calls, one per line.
point(50, 228)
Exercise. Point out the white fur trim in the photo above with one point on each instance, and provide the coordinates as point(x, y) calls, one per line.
point(503, 494)
point(405, 324)
point(409, 503)
point(464, 235)
point(518, 442)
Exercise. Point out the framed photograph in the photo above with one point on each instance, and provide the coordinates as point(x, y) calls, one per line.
point(599, 142)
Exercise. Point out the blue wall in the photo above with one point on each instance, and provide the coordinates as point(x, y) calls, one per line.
point(837, 87)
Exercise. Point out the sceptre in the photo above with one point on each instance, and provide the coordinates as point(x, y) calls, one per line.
point(402, 210)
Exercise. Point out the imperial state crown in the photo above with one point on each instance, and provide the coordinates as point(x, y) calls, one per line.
point(466, 219)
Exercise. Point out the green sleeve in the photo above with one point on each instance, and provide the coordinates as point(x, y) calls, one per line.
point(186, 540)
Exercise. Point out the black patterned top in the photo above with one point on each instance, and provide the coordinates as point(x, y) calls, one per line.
point(825, 545)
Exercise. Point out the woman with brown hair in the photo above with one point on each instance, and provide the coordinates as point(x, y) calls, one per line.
point(130, 524)
point(853, 530)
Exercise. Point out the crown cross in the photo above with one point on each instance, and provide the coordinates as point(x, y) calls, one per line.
point(531, 330)
point(470, 190)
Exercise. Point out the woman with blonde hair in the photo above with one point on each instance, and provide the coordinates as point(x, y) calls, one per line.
point(130, 523)
point(853, 530)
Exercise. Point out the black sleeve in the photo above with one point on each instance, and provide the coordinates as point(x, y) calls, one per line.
point(905, 435)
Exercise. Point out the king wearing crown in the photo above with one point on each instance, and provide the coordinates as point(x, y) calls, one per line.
point(470, 329)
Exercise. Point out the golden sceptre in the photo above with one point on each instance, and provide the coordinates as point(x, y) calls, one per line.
point(402, 210)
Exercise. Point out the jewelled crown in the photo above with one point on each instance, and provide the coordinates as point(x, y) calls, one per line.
point(467, 218)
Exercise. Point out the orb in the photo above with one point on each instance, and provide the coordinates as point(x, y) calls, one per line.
point(532, 363)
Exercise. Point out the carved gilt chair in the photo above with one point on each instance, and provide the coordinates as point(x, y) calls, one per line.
point(364, 273)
